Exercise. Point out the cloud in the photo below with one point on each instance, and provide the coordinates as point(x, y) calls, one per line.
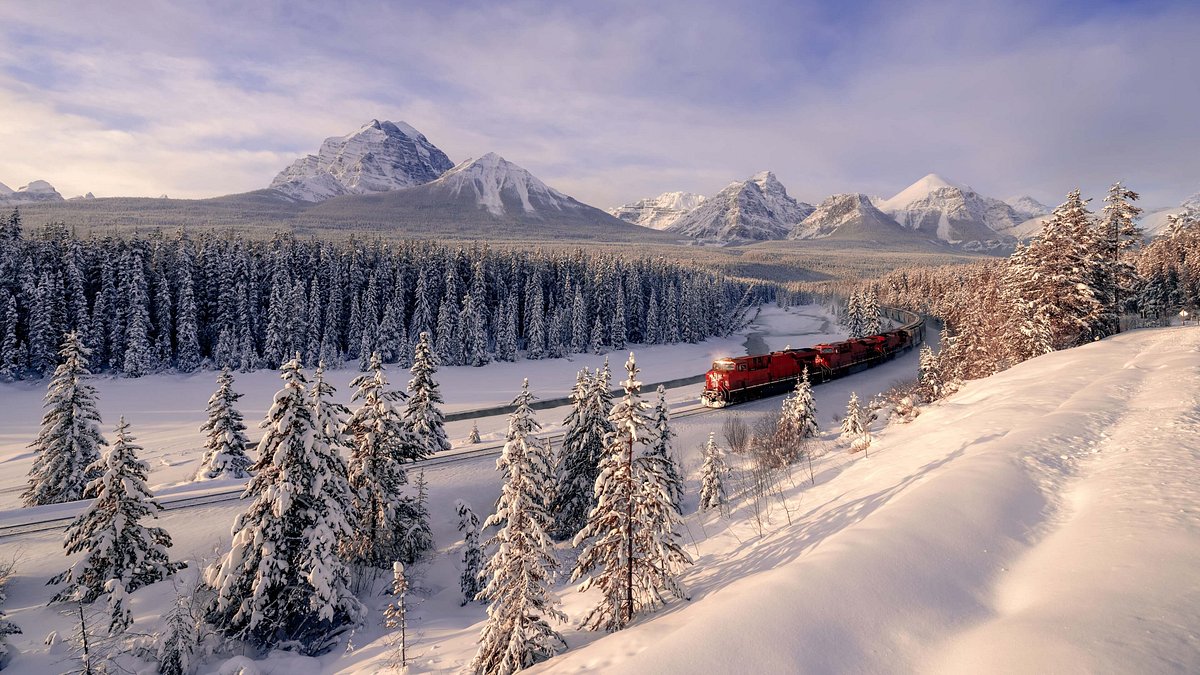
point(610, 101)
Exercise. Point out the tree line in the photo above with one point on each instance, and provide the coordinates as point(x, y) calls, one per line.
point(151, 303)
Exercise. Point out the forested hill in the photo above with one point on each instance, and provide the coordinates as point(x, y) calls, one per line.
point(146, 304)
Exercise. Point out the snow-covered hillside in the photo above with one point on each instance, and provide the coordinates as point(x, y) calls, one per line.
point(658, 213)
point(1027, 207)
point(492, 181)
point(850, 217)
point(379, 157)
point(35, 191)
point(1041, 520)
point(758, 208)
point(952, 212)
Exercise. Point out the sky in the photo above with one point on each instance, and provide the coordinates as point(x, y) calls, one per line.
point(611, 101)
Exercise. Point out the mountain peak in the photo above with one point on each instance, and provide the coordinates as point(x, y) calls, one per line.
point(379, 157)
point(757, 208)
point(497, 184)
point(658, 213)
point(34, 191)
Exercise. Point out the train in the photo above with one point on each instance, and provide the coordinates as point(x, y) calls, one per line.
point(745, 378)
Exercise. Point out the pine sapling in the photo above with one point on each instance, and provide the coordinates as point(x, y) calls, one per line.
point(470, 580)
point(396, 613)
point(712, 474)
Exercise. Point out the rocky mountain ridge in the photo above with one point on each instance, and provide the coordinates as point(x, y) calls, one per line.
point(379, 157)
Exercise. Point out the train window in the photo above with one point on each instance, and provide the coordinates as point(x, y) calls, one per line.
point(741, 366)
point(722, 365)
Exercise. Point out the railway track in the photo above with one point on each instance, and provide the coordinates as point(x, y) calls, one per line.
point(454, 456)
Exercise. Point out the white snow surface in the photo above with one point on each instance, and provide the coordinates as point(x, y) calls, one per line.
point(379, 157)
point(491, 177)
point(1042, 520)
point(658, 213)
point(34, 191)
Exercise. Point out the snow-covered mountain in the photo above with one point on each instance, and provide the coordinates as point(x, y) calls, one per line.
point(850, 217)
point(478, 193)
point(1192, 202)
point(36, 191)
point(954, 213)
point(1027, 207)
point(379, 157)
point(758, 208)
point(658, 213)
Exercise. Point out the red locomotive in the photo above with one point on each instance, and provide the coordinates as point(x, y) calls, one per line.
point(744, 378)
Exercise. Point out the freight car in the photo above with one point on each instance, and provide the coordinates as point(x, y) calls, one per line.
point(744, 378)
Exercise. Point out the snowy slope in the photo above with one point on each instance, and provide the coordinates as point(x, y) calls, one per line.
point(1027, 207)
point(758, 208)
point(35, 191)
point(850, 217)
point(658, 213)
point(952, 212)
point(1043, 520)
point(380, 156)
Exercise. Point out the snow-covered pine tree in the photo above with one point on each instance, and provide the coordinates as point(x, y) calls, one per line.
point(474, 436)
point(617, 335)
point(799, 414)
point(631, 552)
point(929, 375)
point(282, 582)
point(579, 323)
point(380, 446)
point(660, 447)
point(178, 646)
point(586, 428)
point(69, 442)
point(10, 348)
point(853, 318)
point(187, 340)
point(535, 330)
point(416, 536)
point(225, 447)
point(120, 554)
point(517, 633)
point(470, 580)
point(852, 423)
point(7, 627)
point(422, 414)
point(138, 355)
point(396, 613)
point(712, 476)
point(1118, 235)
point(871, 321)
point(473, 335)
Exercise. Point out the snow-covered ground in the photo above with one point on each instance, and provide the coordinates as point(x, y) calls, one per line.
point(166, 411)
point(1044, 519)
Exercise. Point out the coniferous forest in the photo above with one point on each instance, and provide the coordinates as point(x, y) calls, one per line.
point(159, 301)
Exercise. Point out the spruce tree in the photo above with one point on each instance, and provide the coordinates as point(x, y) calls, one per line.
point(225, 448)
point(282, 580)
point(10, 348)
point(187, 340)
point(517, 633)
point(422, 413)
point(852, 423)
point(660, 448)
point(633, 554)
point(395, 615)
point(712, 476)
point(69, 442)
point(470, 581)
point(798, 417)
point(137, 359)
point(474, 436)
point(929, 378)
point(416, 536)
point(380, 446)
point(617, 335)
point(7, 627)
point(586, 428)
point(120, 554)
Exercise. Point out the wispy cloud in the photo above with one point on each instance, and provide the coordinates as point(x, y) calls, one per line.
point(610, 101)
